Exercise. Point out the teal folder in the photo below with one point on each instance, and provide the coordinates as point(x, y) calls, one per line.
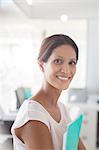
point(71, 137)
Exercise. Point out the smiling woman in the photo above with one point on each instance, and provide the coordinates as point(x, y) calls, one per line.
point(42, 117)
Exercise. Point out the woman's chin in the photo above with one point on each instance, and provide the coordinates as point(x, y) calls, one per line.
point(63, 88)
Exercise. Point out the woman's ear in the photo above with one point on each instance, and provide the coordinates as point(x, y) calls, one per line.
point(41, 65)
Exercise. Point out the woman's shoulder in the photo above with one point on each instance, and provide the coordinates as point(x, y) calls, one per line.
point(31, 105)
point(31, 110)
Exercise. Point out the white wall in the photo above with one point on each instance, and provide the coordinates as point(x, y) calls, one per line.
point(92, 79)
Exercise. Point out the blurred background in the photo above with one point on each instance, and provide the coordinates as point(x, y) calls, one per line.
point(23, 25)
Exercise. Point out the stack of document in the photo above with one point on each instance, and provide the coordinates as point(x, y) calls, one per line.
point(71, 136)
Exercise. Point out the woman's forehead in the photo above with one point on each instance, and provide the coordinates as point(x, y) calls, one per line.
point(63, 51)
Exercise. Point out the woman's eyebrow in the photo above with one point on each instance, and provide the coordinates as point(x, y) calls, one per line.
point(60, 57)
point(72, 58)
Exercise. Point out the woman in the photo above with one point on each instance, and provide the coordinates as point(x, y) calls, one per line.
point(42, 120)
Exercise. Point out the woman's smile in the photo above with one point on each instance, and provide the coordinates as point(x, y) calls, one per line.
point(63, 78)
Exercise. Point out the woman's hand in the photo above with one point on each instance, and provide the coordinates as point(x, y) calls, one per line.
point(81, 145)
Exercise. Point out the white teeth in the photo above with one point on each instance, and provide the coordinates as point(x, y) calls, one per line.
point(62, 78)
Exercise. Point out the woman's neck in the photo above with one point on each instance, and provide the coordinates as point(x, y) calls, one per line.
point(51, 96)
point(48, 95)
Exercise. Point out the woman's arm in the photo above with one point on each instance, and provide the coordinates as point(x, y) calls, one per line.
point(81, 145)
point(35, 135)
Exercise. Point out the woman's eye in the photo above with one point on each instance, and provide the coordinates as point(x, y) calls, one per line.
point(58, 61)
point(72, 63)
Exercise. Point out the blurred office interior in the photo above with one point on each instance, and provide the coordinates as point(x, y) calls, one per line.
point(23, 25)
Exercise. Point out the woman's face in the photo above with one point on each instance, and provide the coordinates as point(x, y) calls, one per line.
point(60, 67)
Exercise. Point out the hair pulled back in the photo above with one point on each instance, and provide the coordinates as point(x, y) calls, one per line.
point(52, 42)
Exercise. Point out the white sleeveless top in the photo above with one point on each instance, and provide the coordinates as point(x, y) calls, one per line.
point(32, 110)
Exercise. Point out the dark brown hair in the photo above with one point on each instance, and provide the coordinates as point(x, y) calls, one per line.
point(52, 42)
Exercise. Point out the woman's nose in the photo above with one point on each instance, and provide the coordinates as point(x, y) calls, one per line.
point(65, 69)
